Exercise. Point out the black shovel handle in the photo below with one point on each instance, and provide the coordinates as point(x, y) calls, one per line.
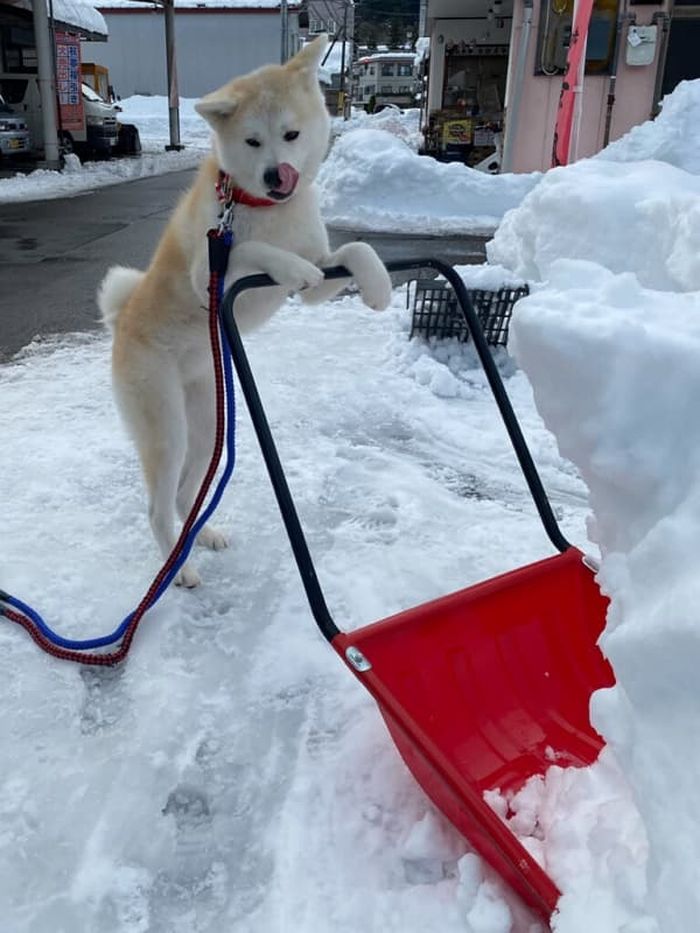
point(285, 502)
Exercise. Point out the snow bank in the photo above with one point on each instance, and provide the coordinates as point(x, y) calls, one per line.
point(671, 137)
point(373, 181)
point(404, 124)
point(639, 217)
point(616, 372)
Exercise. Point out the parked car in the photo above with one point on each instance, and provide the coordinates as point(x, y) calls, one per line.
point(14, 135)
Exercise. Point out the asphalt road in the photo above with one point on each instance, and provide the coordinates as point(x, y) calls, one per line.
point(53, 254)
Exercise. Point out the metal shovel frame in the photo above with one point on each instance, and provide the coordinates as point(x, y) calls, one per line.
point(555, 580)
point(314, 593)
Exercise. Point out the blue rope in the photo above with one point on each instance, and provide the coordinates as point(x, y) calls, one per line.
point(101, 642)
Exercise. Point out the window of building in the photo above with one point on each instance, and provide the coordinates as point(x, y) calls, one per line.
point(388, 70)
point(405, 71)
point(387, 89)
point(18, 51)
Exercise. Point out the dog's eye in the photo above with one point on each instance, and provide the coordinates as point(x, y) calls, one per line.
point(255, 143)
point(291, 135)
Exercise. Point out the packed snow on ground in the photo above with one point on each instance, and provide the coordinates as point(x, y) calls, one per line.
point(233, 775)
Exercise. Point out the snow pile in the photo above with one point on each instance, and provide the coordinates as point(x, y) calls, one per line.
point(671, 137)
point(616, 371)
point(641, 217)
point(373, 181)
point(405, 124)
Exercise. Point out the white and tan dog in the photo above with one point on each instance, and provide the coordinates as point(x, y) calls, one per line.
point(270, 135)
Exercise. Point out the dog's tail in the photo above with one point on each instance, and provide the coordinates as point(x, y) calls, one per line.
point(114, 292)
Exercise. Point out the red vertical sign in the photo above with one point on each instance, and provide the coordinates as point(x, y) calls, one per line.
point(567, 98)
point(68, 81)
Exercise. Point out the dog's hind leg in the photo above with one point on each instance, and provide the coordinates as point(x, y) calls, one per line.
point(200, 407)
point(153, 407)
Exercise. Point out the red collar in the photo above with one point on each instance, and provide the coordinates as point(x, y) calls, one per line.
point(229, 193)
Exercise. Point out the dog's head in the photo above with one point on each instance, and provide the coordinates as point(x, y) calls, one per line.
point(271, 127)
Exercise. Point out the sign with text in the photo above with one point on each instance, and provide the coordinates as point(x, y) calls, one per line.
point(68, 81)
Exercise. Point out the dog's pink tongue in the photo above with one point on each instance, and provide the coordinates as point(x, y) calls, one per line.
point(289, 177)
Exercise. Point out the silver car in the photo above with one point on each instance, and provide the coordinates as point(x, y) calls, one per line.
point(14, 135)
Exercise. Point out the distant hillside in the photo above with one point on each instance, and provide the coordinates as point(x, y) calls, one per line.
point(386, 22)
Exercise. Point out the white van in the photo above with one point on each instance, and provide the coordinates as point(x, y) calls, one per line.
point(100, 130)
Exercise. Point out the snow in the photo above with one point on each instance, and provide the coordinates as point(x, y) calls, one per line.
point(233, 776)
point(81, 14)
point(641, 217)
point(372, 180)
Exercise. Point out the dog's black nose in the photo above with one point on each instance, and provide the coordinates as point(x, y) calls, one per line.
point(272, 178)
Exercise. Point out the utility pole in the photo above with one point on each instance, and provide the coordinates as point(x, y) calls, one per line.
point(344, 39)
point(47, 84)
point(173, 93)
point(284, 13)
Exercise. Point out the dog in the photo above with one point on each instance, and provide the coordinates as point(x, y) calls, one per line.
point(270, 134)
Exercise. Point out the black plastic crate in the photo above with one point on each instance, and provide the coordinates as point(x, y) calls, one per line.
point(436, 313)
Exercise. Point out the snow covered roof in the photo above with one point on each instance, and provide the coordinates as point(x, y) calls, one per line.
point(79, 15)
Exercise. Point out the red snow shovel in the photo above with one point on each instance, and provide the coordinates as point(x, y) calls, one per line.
point(483, 688)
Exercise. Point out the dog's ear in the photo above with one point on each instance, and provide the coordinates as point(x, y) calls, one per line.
point(307, 61)
point(216, 107)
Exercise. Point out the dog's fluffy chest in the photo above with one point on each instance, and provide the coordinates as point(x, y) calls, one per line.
point(296, 226)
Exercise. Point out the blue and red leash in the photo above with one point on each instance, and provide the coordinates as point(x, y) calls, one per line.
point(85, 651)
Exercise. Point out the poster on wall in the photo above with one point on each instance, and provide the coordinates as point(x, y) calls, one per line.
point(68, 81)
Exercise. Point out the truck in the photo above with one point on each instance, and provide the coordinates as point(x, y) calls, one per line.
point(93, 128)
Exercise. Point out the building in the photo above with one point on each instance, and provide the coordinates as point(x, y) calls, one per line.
point(493, 76)
point(383, 78)
point(216, 40)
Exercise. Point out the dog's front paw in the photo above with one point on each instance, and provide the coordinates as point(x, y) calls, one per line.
point(296, 273)
point(188, 577)
point(376, 289)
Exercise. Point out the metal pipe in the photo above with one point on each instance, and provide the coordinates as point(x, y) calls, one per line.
point(665, 20)
point(47, 84)
point(171, 64)
point(513, 113)
point(612, 83)
point(284, 24)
